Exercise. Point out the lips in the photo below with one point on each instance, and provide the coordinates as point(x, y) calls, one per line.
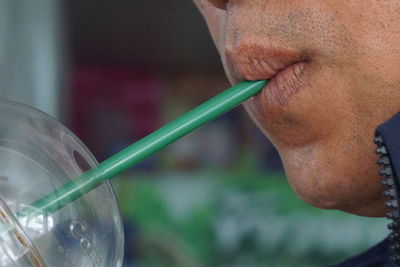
point(283, 68)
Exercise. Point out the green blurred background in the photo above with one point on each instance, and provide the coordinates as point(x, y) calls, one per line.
point(114, 71)
point(221, 218)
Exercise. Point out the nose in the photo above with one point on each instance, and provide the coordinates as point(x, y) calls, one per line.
point(221, 4)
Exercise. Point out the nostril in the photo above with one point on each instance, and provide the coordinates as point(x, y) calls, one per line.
point(221, 4)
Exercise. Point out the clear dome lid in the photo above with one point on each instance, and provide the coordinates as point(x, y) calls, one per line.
point(37, 156)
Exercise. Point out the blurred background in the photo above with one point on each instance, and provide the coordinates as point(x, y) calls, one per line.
point(114, 71)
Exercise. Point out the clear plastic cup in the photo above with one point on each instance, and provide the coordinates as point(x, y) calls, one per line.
point(37, 156)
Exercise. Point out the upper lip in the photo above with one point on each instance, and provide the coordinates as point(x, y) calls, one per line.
point(254, 62)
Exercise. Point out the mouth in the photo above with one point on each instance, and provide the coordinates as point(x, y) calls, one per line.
point(284, 69)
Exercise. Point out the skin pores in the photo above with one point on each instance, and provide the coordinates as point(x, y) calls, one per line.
point(322, 118)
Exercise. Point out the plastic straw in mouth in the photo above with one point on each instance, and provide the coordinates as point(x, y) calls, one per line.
point(145, 147)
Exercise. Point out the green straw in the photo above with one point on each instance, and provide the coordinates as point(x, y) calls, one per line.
point(145, 147)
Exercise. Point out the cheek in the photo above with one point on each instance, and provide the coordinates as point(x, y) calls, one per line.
point(363, 39)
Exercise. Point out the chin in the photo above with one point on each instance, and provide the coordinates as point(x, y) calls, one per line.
point(336, 180)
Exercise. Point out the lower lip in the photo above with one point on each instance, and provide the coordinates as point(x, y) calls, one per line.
point(284, 86)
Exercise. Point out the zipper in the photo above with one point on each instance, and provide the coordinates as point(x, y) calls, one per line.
point(392, 194)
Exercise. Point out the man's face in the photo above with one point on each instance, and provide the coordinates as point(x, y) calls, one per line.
point(334, 70)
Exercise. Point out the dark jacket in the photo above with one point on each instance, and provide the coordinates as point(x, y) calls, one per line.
point(377, 256)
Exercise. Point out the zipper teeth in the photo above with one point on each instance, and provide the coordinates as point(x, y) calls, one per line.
point(392, 195)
